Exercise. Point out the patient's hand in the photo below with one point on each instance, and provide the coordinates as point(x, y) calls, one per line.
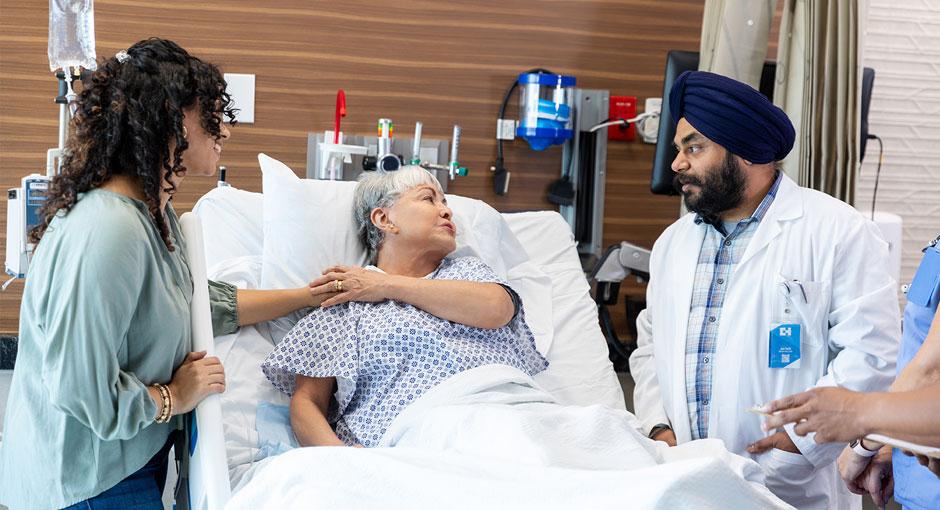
point(871, 475)
point(352, 283)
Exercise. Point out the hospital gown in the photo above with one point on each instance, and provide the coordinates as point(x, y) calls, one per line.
point(385, 355)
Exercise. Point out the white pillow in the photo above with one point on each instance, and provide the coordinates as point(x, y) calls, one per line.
point(580, 372)
point(231, 223)
point(309, 226)
point(482, 232)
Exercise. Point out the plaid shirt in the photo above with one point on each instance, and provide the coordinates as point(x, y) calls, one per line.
point(716, 261)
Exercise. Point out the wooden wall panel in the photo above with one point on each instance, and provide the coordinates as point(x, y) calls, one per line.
point(435, 61)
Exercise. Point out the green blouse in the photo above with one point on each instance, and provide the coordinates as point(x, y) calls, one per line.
point(105, 313)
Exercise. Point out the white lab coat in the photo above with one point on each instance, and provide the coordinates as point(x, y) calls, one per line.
point(851, 330)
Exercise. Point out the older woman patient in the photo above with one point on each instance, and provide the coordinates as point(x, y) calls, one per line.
point(399, 327)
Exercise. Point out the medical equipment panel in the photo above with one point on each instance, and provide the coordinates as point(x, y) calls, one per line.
point(332, 155)
point(432, 151)
point(23, 204)
point(584, 167)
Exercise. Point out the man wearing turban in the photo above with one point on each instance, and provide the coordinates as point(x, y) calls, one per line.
point(763, 290)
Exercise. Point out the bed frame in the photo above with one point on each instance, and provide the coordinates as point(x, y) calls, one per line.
point(203, 482)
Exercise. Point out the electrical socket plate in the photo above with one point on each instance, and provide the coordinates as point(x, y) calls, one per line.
point(505, 129)
point(241, 87)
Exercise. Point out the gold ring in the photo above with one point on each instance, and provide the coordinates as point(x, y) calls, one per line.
point(338, 285)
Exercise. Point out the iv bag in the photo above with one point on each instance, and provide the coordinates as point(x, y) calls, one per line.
point(71, 34)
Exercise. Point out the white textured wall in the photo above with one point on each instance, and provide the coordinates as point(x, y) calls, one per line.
point(902, 44)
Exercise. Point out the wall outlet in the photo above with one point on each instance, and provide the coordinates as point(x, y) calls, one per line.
point(622, 107)
point(505, 129)
point(242, 89)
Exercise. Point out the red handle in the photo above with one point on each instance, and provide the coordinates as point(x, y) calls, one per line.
point(340, 113)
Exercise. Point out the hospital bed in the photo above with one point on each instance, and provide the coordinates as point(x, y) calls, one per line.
point(537, 253)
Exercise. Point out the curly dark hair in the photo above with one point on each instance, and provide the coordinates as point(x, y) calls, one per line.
point(127, 114)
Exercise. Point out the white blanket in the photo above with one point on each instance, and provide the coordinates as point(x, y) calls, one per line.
point(489, 438)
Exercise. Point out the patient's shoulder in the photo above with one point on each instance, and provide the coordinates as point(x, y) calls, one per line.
point(337, 315)
point(468, 268)
point(462, 261)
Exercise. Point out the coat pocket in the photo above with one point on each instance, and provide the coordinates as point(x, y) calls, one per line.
point(805, 303)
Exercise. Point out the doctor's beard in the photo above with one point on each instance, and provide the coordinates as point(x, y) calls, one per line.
point(722, 189)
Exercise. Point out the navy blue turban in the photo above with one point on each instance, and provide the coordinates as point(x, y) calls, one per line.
point(733, 115)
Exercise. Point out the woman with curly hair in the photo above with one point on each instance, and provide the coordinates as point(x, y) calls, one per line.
point(103, 365)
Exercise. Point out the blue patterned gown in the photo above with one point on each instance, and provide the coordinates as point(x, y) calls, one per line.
point(385, 355)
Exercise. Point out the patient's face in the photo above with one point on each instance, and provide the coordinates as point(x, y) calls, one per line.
point(423, 219)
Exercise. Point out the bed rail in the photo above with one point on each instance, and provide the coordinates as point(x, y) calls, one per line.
point(207, 485)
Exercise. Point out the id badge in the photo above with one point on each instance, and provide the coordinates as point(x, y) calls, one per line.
point(786, 332)
point(785, 346)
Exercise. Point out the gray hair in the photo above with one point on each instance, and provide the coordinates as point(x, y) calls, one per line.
point(383, 189)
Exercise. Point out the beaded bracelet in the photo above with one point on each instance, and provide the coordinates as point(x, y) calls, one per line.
point(163, 403)
point(167, 410)
point(169, 399)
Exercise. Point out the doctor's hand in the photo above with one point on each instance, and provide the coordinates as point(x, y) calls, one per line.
point(667, 436)
point(932, 464)
point(834, 414)
point(928, 462)
point(872, 475)
point(352, 283)
point(781, 441)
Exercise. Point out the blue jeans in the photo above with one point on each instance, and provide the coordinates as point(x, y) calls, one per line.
point(142, 490)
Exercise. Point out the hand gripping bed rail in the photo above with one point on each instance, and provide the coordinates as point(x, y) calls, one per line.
point(209, 487)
